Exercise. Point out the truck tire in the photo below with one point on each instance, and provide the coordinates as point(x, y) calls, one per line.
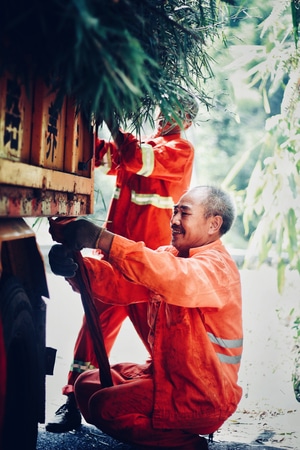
point(21, 402)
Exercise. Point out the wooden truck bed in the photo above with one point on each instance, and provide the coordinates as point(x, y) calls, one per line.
point(46, 165)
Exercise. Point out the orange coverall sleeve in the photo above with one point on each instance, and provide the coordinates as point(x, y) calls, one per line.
point(206, 279)
point(167, 157)
point(110, 286)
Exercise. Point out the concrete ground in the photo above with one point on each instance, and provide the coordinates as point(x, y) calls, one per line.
point(268, 416)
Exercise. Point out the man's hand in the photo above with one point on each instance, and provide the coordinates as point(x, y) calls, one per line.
point(61, 261)
point(81, 234)
point(114, 127)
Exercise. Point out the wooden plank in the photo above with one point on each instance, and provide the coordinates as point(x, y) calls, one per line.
point(26, 202)
point(19, 174)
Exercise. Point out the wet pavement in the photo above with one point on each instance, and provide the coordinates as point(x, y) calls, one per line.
point(85, 438)
point(88, 438)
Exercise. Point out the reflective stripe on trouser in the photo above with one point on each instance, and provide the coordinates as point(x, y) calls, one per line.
point(81, 366)
point(152, 199)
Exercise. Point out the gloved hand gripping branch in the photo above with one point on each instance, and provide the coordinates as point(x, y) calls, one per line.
point(76, 235)
point(81, 234)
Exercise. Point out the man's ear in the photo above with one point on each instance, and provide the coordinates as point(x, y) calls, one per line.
point(215, 224)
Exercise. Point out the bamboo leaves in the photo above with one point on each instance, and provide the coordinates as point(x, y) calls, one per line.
point(115, 58)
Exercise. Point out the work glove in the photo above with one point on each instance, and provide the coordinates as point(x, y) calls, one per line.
point(61, 261)
point(81, 234)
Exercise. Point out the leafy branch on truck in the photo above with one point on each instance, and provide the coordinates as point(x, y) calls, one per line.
point(115, 57)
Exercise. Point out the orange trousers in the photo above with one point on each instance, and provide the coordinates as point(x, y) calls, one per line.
point(111, 318)
point(124, 410)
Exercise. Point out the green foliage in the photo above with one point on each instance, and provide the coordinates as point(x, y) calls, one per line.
point(253, 134)
point(296, 326)
point(229, 135)
point(117, 58)
point(296, 352)
point(272, 196)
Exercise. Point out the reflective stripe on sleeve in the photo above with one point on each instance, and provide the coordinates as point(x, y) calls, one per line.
point(229, 359)
point(147, 159)
point(227, 345)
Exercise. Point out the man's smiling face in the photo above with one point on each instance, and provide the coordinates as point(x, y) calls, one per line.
point(190, 227)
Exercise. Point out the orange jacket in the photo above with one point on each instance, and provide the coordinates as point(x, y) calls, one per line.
point(151, 177)
point(196, 326)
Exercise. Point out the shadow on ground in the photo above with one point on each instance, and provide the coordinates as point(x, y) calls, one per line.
point(85, 438)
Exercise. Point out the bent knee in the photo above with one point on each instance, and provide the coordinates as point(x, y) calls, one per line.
point(85, 387)
point(87, 378)
point(101, 404)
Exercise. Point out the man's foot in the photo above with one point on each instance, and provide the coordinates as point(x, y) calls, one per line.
point(66, 418)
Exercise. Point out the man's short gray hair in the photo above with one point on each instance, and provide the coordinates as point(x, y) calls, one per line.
point(218, 203)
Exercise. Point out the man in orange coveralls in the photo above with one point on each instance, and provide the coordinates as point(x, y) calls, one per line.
point(150, 178)
point(193, 294)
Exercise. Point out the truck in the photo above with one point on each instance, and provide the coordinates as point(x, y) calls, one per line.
point(46, 170)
